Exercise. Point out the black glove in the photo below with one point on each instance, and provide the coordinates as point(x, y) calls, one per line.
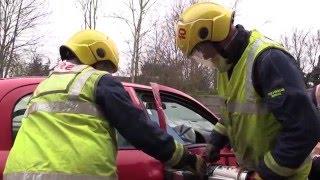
point(315, 168)
point(216, 143)
point(193, 163)
point(212, 154)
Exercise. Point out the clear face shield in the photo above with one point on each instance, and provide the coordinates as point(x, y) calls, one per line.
point(217, 62)
point(199, 58)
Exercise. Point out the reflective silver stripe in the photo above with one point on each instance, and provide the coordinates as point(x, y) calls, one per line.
point(66, 72)
point(249, 108)
point(177, 155)
point(220, 101)
point(55, 176)
point(250, 95)
point(75, 107)
point(220, 128)
point(77, 86)
point(79, 68)
point(212, 100)
point(272, 164)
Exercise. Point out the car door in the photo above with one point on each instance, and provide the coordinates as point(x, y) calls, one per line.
point(188, 120)
point(12, 106)
point(156, 109)
point(132, 163)
point(187, 117)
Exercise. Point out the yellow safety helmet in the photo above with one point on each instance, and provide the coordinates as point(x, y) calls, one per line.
point(91, 46)
point(205, 21)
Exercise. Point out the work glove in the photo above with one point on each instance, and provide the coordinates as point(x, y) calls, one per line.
point(254, 176)
point(193, 163)
point(200, 166)
point(211, 154)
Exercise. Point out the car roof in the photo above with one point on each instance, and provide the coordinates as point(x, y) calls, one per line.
point(134, 85)
point(25, 80)
point(8, 84)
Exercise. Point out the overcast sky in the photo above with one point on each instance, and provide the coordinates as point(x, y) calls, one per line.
point(272, 17)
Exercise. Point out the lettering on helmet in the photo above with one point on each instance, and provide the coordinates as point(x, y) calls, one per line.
point(182, 33)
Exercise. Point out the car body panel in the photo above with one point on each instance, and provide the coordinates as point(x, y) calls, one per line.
point(158, 103)
point(131, 163)
point(7, 103)
point(3, 159)
point(134, 164)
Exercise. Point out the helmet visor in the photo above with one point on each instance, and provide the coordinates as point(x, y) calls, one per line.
point(200, 57)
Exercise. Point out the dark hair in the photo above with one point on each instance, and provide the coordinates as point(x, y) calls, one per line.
point(67, 54)
point(105, 65)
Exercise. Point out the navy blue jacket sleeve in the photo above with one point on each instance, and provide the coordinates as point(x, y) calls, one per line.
point(312, 94)
point(293, 108)
point(131, 122)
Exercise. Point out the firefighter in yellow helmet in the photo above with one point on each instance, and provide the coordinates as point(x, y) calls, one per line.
point(68, 131)
point(267, 117)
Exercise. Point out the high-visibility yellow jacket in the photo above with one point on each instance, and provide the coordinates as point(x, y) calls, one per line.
point(250, 127)
point(63, 135)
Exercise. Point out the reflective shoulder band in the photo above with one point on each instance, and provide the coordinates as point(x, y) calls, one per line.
point(74, 107)
point(177, 155)
point(249, 108)
point(251, 56)
point(54, 176)
point(220, 128)
point(79, 83)
point(220, 101)
point(278, 169)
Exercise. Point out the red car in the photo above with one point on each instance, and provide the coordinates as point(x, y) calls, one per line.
point(183, 117)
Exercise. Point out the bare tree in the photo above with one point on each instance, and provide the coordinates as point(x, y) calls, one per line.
point(138, 12)
point(235, 5)
point(296, 44)
point(164, 62)
point(37, 64)
point(89, 9)
point(18, 18)
point(304, 46)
